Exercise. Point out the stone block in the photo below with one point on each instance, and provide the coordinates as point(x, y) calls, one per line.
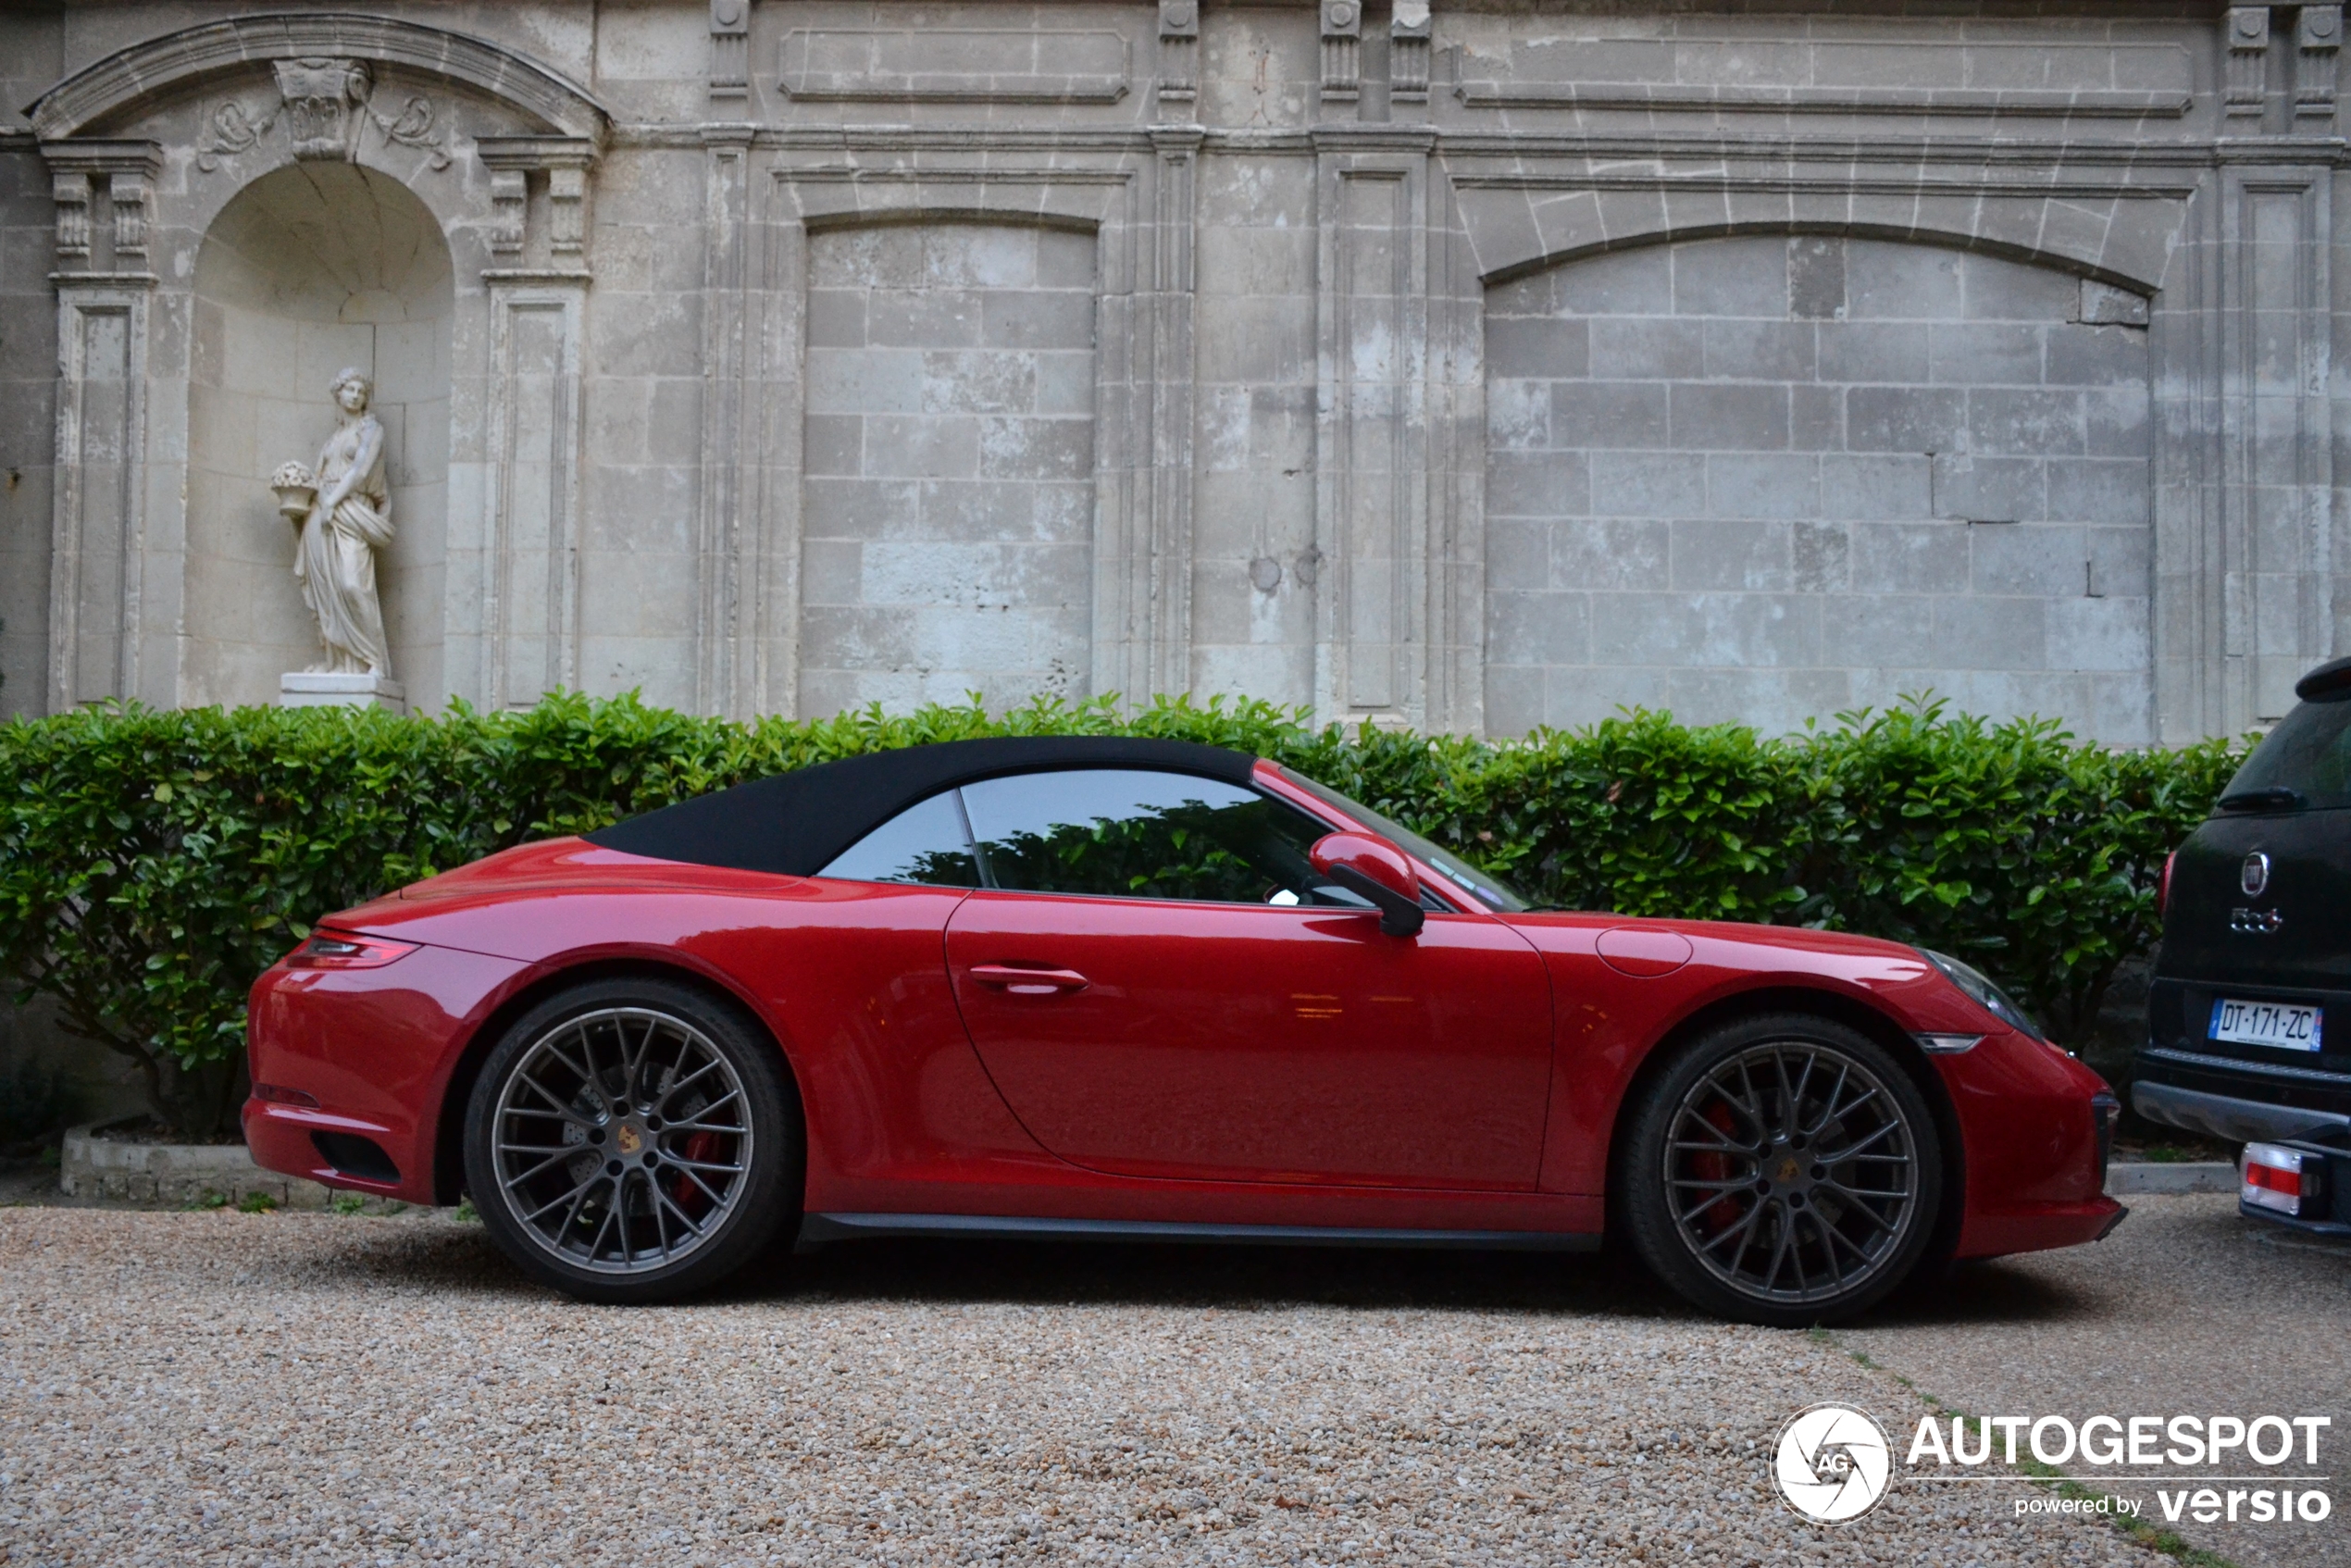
point(882, 256)
point(2045, 558)
point(1899, 283)
point(1538, 484)
point(2097, 356)
point(1741, 276)
point(1632, 282)
point(1711, 417)
point(1238, 262)
point(910, 319)
point(865, 381)
point(832, 443)
point(1990, 490)
point(1065, 382)
point(1816, 418)
point(2117, 421)
point(1648, 348)
point(921, 447)
point(1820, 557)
point(1513, 699)
point(2005, 422)
point(1973, 632)
point(1746, 555)
point(1037, 318)
point(1604, 413)
point(1539, 629)
point(1605, 554)
point(1886, 632)
point(1518, 415)
point(1035, 449)
point(1977, 354)
point(978, 381)
point(1696, 631)
point(1888, 352)
point(2122, 560)
point(1816, 278)
point(2094, 489)
point(1909, 557)
point(836, 318)
point(2099, 634)
point(1762, 485)
point(1647, 484)
point(1877, 486)
point(1760, 351)
point(1518, 552)
point(1904, 418)
point(1534, 347)
point(2001, 289)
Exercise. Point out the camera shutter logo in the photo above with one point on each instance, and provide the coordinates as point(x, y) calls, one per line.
point(1832, 1463)
point(2254, 875)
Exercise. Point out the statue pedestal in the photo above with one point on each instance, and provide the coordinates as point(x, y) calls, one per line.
point(309, 690)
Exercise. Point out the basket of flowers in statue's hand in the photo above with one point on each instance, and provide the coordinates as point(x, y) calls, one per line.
point(297, 488)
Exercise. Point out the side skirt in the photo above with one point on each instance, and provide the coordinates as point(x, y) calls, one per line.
point(816, 1230)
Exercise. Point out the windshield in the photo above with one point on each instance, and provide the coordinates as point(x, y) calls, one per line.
point(1483, 886)
point(2308, 753)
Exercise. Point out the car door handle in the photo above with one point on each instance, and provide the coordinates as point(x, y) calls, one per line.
point(1028, 982)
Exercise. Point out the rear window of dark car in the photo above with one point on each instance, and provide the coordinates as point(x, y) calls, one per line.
point(2308, 753)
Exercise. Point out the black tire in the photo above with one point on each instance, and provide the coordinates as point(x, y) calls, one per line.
point(1722, 1196)
point(653, 1141)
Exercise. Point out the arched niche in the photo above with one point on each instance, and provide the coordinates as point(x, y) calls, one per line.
point(311, 268)
point(1770, 477)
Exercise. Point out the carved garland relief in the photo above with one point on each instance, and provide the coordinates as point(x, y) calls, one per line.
point(326, 105)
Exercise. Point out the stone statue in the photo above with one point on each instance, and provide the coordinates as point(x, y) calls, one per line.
point(346, 519)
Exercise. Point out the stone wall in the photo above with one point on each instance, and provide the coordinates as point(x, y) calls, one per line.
point(1477, 367)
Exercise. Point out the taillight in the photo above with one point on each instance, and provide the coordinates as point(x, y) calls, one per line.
point(338, 950)
point(2285, 1180)
point(2163, 889)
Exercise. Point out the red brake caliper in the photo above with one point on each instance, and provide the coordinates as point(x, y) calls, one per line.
point(1708, 1165)
point(691, 1199)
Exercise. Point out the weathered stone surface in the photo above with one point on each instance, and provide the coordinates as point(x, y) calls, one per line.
point(894, 352)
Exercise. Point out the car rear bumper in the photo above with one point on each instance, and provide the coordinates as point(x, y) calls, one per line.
point(2229, 1117)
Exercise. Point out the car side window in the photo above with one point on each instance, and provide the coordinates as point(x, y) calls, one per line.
point(1137, 833)
point(927, 842)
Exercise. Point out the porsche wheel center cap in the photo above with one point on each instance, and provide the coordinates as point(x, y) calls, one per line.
point(629, 1139)
point(1789, 1167)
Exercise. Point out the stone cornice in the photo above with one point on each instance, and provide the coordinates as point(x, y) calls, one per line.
point(177, 60)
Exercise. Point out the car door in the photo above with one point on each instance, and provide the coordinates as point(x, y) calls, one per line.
point(1159, 987)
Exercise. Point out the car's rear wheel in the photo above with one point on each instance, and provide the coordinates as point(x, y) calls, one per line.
point(1781, 1170)
point(633, 1139)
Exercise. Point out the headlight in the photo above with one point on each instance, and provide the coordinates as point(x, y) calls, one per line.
point(1984, 995)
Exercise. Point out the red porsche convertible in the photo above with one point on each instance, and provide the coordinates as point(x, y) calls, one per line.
point(1131, 988)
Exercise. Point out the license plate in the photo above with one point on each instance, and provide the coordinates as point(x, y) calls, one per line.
point(2274, 1024)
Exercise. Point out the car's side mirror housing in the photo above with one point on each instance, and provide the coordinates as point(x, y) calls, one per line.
point(1371, 867)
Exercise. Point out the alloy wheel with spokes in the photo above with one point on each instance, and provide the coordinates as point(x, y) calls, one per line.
point(623, 1146)
point(1789, 1173)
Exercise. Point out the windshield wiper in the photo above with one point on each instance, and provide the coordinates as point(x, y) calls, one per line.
point(2272, 797)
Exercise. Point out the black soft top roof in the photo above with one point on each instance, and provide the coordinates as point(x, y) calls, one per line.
point(795, 824)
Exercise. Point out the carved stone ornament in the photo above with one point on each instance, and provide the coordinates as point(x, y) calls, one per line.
point(326, 105)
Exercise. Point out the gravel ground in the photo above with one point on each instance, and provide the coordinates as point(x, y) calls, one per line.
point(2186, 1309)
point(282, 1389)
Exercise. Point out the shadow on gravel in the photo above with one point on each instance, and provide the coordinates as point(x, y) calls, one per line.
point(1984, 1292)
point(1202, 1275)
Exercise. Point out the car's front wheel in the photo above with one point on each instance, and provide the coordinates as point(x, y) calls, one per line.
point(1783, 1170)
point(632, 1139)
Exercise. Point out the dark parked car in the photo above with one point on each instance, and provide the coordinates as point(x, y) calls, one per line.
point(2249, 1016)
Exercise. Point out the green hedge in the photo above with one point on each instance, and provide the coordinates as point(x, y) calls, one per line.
point(152, 863)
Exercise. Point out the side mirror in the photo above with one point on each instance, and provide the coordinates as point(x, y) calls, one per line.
point(1371, 867)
